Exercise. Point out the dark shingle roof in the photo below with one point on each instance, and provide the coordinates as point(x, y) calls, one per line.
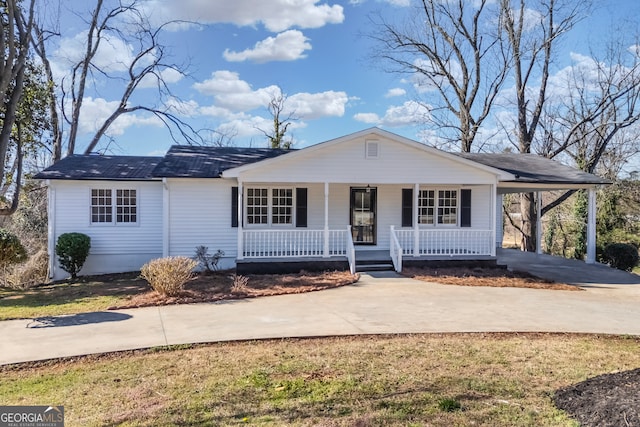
point(209, 162)
point(96, 167)
point(530, 168)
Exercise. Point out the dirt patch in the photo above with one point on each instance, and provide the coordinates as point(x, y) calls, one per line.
point(494, 277)
point(609, 400)
point(218, 286)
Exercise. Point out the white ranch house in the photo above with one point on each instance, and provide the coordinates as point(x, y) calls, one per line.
point(365, 197)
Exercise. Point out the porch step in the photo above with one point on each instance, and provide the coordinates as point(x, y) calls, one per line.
point(373, 265)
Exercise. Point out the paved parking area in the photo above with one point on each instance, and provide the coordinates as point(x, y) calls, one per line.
point(378, 303)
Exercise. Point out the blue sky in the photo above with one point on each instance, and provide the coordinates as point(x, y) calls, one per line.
point(314, 50)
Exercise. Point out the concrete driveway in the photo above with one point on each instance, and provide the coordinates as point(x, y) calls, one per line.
point(379, 303)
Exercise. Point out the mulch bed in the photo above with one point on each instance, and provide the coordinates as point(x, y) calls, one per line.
point(218, 286)
point(610, 400)
point(483, 276)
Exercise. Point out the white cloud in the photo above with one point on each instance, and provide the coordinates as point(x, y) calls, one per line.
point(315, 105)
point(168, 75)
point(182, 108)
point(96, 110)
point(398, 91)
point(222, 82)
point(276, 15)
point(287, 46)
point(409, 113)
point(113, 54)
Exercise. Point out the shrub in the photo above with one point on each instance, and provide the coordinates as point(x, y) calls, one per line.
point(622, 256)
point(168, 275)
point(33, 272)
point(239, 284)
point(72, 250)
point(11, 249)
point(209, 262)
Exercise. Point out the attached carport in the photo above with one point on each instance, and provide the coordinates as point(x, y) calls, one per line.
point(536, 174)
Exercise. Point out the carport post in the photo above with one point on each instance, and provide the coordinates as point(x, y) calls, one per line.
point(591, 228)
point(538, 222)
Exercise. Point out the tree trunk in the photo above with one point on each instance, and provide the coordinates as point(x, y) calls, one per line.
point(528, 212)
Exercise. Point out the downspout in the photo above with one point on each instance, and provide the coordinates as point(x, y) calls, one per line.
point(51, 227)
point(165, 217)
point(240, 221)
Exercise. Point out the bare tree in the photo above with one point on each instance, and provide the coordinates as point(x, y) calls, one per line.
point(456, 50)
point(281, 120)
point(533, 35)
point(15, 39)
point(149, 64)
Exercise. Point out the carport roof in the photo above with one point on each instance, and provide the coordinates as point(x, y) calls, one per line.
point(531, 170)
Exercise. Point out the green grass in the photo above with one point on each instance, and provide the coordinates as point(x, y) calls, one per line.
point(80, 296)
point(440, 380)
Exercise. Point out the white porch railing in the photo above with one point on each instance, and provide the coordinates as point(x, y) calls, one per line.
point(395, 250)
point(449, 242)
point(294, 243)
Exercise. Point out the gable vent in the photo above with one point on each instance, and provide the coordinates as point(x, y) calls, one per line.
point(372, 150)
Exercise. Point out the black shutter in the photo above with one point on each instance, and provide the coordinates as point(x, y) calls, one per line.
point(465, 208)
point(301, 207)
point(234, 206)
point(407, 207)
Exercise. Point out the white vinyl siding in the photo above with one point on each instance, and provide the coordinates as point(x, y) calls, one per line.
point(200, 214)
point(113, 248)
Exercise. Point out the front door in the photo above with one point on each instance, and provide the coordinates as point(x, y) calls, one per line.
point(363, 215)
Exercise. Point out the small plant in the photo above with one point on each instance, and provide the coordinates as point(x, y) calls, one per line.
point(168, 275)
point(622, 256)
point(72, 250)
point(239, 284)
point(209, 262)
point(449, 405)
point(11, 249)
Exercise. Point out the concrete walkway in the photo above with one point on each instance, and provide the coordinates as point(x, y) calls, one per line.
point(378, 303)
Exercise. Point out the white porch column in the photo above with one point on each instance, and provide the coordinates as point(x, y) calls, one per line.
point(538, 222)
point(416, 226)
point(51, 228)
point(494, 215)
point(591, 228)
point(240, 218)
point(326, 221)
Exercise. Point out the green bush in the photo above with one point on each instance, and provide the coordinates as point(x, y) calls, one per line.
point(168, 275)
point(11, 249)
point(622, 256)
point(72, 250)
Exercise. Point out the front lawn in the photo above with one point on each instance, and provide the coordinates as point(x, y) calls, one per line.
point(128, 290)
point(415, 380)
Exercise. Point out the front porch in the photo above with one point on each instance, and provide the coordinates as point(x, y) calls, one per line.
point(272, 250)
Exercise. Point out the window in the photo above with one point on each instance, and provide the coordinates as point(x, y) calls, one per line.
point(257, 206)
point(272, 206)
point(440, 210)
point(101, 208)
point(426, 206)
point(282, 206)
point(105, 201)
point(126, 209)
point(448, 207)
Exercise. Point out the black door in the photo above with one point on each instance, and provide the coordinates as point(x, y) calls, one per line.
point(363, 215)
